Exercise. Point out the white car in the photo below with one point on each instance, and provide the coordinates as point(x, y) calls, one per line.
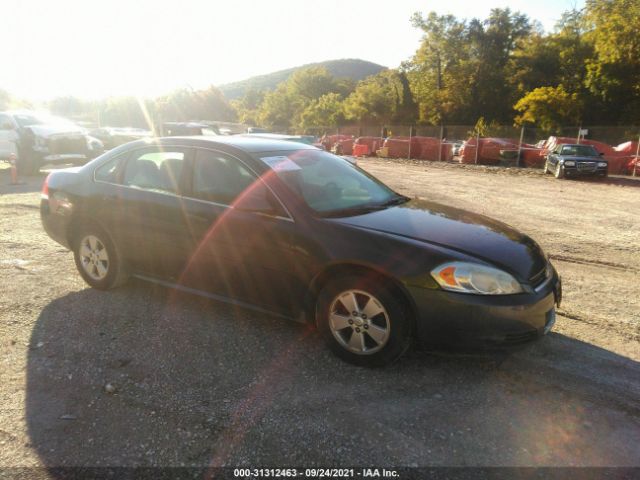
point(39, 139)
point(8, 138)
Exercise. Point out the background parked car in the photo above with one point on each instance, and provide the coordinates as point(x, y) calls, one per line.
point(575, 160)
point(112, 137)
point(42, 139)
point(178, 129)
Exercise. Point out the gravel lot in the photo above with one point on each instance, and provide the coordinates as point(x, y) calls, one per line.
point(194, 382)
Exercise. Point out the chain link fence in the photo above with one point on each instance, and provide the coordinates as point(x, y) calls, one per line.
point(490, 144)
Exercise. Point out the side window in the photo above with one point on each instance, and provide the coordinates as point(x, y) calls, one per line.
point(218, 178)
point(155, 169)
point(109, 171)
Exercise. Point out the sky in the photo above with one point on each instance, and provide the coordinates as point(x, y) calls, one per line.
point(95, 49)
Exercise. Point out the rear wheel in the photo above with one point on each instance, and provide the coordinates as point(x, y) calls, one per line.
point(97, 259)
point(362, 322)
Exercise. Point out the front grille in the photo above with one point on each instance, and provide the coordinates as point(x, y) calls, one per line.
point(586, 166)
point(64, 145)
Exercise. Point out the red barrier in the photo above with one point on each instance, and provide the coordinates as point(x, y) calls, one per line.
point(328, 141)
point(433, 149)
point(399, 147)
point(343, 146)
point(532, 156)
point(374, 143)
point(491, 152)
point(360, 150)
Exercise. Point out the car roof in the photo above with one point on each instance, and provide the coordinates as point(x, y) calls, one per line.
point(249, 144)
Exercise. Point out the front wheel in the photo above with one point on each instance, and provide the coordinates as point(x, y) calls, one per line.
point(362, 322)
point(97, 259)
point(559, 171)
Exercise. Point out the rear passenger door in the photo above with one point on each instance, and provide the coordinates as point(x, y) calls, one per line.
point(149, 219)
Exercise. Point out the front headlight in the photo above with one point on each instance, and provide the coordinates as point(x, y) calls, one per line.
point(473, 278)
point(94, 144)
point(570, 163)
point(602, 164)
point(40, 144)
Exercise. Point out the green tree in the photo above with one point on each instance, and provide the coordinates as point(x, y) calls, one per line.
point(326, 111)
point(279, 108)
point(433, 70)
point(311, 83)
point(248, 106)
point(382, 99)
point(460, 70)
point(187, 104)
point(548, 108)
point(613, 75)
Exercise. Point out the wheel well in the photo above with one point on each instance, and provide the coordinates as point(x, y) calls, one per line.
point(340, 270)
point(75, 225)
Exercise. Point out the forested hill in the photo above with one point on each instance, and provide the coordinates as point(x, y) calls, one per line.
point(352, 68)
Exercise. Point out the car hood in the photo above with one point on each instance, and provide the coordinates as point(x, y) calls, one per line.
point(582, 159)
point(49, 130)
point(469, 233)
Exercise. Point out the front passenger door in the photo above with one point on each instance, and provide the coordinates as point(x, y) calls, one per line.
point(242, 235)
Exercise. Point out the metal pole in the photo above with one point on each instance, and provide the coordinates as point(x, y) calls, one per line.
point(635, 164)
point(578, 139)
point(477, 146)
point(410, 136)
point(520, 146)
point(440, 150)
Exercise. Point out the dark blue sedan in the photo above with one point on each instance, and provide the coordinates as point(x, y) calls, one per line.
point(286, 228)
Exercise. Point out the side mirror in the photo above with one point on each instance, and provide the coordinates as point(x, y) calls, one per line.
point(256, 199)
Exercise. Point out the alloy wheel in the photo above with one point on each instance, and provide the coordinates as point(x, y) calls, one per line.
point(94, 257)
point(359, 322)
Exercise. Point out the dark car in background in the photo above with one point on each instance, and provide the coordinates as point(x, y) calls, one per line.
point(575, 160)
point(179, 129)
point(42, 139)
point(112, 137)
point(286, 228)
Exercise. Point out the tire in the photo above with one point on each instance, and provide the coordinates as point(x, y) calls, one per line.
point(97, 259)
point(350, 336)
point(559, 174)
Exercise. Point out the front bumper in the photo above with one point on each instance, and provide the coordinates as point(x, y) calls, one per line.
point(458, 319)
point(577, 172)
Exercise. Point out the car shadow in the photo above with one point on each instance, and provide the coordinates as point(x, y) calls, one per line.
point(617, 180)
point(145, 376)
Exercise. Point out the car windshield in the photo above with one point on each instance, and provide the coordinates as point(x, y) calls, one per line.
point(579, 151)
point(28, 119)
point(330, 185)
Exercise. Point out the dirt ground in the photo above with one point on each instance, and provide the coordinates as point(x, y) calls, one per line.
point(141, 376)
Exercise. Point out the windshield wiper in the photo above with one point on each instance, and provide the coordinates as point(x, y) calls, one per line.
point(397, 200)
point(361, 209)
